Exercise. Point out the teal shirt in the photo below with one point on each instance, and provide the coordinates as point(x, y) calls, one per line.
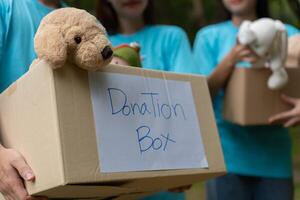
point(162, 48)
point(19, 20)
point(263, 151)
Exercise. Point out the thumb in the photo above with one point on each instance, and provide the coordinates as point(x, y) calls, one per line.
point(23, 169)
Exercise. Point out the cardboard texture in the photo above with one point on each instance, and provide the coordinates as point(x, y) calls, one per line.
point(47, 116)
point(248, 101)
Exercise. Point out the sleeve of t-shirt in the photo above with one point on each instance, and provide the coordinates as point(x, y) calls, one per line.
point(203, 52)
point(291, 30)
point(179, 53)
point(2, 27)
point(3, 11)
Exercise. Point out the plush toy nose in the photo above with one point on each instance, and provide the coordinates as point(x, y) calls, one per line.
point(106, 52)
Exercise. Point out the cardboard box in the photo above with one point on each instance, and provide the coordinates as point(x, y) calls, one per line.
point(248, 101)
point(49, 116)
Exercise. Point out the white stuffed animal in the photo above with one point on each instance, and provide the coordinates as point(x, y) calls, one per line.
point(268, 39)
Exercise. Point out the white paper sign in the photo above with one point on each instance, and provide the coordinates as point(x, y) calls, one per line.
point(145, 123)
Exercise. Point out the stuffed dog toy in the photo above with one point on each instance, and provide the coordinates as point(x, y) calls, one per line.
point(75, 36)
point(268, 39)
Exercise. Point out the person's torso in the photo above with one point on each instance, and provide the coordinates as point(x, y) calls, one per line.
point(250, 150)
point(19, 20)
point(156, 43)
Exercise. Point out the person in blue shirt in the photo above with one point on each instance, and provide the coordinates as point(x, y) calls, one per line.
point(19, 20)
point(163, 47)
point(258, 158)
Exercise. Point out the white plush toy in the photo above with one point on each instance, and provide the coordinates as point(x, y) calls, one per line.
point(268, 39)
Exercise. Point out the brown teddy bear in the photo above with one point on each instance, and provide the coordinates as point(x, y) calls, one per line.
point(75, 36)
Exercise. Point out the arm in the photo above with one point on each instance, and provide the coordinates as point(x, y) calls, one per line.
point(219, 77)
point(205, 56)
point(13, 170)
point(13, 167)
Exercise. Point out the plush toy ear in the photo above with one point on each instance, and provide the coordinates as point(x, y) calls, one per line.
point(246, 36)
point(50, 45)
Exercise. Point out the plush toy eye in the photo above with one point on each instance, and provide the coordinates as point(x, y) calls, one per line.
point(77, 39)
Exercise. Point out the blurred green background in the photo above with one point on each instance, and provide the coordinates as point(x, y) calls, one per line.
point(194, 14)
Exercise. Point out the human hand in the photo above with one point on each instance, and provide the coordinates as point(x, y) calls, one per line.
point(13, 171)
point(241, 53)
point(291, 117)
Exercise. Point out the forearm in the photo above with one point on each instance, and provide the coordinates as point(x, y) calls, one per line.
point(220, 76)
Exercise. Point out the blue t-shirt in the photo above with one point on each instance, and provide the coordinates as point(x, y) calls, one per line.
point(263, 151)
point(19, 20)
point(162, 48)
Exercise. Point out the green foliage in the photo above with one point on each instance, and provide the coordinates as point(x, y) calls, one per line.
point(88, 5)
point(181, 12)
point(281, 10)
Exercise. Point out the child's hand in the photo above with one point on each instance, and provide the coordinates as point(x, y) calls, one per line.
point(291, 117)
point(13, 171)
point(241, 53)
point(223, 71)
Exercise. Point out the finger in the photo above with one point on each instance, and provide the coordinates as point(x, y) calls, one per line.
point(248, 53)
point(245, 53)
point(250, 59)
point(292, 122)
point(5, 187)
point(242, 51)
point(14, 185)
point(254, 53)
point(248, 56)
point(242, 46)
point(8, 197)
point(23, 168)
point(289, 100)
point(281, 116)
point(239, 48)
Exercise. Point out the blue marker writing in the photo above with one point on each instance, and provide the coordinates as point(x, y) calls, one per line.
point(147, 142)
point(152, 107)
